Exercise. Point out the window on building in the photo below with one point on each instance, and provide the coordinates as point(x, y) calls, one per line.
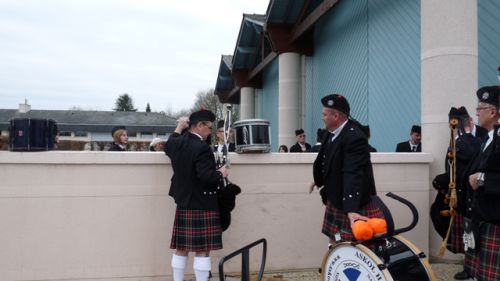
point(81, 134)
point(65, 134)
point(146, 135)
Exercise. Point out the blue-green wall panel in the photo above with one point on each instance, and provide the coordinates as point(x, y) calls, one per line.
point(270, 101)
point(310, 107)
point(370, 52)
point(340, 58)
point(393, 71)
point(489, 41)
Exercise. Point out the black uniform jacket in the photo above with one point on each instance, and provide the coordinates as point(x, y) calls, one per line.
point(231, 145)
point(296, 148)
point(405, 147)
point(195, 181)
point(344, 168)
point(486, 199)
point(116, 147)
point(467, 147)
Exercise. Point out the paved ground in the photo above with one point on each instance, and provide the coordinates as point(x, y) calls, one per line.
point(443, 272)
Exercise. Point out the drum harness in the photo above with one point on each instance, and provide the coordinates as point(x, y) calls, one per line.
point(390, 226)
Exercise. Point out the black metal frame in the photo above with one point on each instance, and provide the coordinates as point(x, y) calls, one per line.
point(245, 260)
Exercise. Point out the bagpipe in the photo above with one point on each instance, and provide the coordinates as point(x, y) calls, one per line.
point(227, 190)
point(444, 208)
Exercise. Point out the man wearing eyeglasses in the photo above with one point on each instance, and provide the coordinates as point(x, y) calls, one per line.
point(194, 186)
point(301, 145)
point(482, 225)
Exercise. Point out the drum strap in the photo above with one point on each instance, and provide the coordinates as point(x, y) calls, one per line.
point(387, 214)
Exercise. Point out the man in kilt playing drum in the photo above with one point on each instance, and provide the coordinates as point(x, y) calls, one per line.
point(344, 168)
point(194, 187)
point(482, 238)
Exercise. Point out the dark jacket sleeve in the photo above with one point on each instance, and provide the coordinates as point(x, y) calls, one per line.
point(403, 147)
point(356, 159)
point(467, 146)
point(318, 173)
point(492, 166)
point(295, 148)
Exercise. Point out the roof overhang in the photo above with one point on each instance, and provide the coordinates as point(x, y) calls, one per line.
point(287, 26)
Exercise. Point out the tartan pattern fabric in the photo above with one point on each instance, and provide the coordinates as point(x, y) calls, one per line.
point(471, 264)
point(336, 221)
point(196, 230)
point(484, 264)
point(456, 241)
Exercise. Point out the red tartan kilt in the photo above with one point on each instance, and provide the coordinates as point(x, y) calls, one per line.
point(336, 221)
point(484, 264)
point(456, 241)
point(196, 231)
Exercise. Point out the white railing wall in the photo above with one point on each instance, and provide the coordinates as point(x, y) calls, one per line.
point(107, 215)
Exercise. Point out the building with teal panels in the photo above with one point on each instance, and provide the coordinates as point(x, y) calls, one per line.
point(368, 50)
point(399, 63)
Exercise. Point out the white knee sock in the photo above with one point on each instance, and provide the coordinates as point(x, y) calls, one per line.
point(201, 266)
point(178, 266)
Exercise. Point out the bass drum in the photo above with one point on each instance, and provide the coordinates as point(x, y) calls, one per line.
point(252, 135)
point(27, 134)
point(394, 259)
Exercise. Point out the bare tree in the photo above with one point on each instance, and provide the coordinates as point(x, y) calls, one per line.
point(176, 114)
point(208, 100)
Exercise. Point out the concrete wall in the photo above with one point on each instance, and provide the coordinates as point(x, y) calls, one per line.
point(107, 215)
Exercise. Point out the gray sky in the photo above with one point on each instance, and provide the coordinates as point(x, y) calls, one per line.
point(64, 53)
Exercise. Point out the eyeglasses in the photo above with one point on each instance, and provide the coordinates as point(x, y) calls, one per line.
point(482, 108)
point(210, 127)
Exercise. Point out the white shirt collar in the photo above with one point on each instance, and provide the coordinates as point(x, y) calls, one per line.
point(220, 147)
point(197, 135)
point(337, 131)
point(490, 138)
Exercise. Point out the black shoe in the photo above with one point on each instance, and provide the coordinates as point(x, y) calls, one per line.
point(462, 275)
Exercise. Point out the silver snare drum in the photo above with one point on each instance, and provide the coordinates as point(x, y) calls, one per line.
point(252, 135)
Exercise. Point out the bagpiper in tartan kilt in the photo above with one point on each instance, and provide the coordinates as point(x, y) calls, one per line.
point(336, 221)
point(484, 263)
point(196, 230)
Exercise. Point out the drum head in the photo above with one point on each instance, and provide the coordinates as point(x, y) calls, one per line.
point(345, 262)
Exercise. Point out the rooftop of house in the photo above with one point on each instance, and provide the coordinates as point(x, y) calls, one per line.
point(95, 121)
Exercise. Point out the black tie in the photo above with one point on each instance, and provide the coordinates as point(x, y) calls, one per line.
point(330, 137)
point(484, 143)
point(414, 148)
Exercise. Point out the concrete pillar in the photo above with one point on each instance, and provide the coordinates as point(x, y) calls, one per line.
point(247, 103)
point(289, 90)
point(449, 63)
